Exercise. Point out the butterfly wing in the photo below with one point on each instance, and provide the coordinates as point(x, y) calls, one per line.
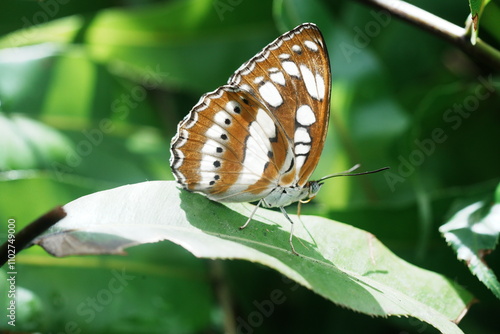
point(265, 128)
point(291, 76)
point(229, 147)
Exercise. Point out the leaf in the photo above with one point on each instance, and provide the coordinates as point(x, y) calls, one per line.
point(346, 265)
point(473, 232)
point(28, 144)
point(476, 8)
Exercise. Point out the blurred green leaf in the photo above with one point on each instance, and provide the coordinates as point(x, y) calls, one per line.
point(29, 144)
point(473, 232)
point(167, 37)
point(156, 289)
point(89, 116)
point(66, 88)
point(24, 307)
point(62, 31)
point(490, 20)
point(184, 39)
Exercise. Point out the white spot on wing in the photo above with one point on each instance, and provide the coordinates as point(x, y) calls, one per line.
point(288, 161)
point(302, 149)
point(284, 56)
point(231, 105)
point(257, 146)
point(305, 115)
point(296, 48)
point(278, 78)
point(299, 161)
point(270, 94)
point(207, 163)
point(291, 68)
point(190, 119)
point(246, 88)
point(206, 177)
point(320, 83)
point(214, 132)
point(220, 118)
point(210, 147)
point(178, 161)
point(301, 135)
point(267, 124)
point(311, 46)
point(255, 159)
point(260, 131)
point(181, 138)
point(310, 82)
point(258, 80)
point(264, 55)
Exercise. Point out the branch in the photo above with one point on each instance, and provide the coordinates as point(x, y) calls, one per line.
point(30, 232)
point(439, 27)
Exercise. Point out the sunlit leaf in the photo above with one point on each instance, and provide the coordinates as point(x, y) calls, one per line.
point(473, 232)
point(348, 266)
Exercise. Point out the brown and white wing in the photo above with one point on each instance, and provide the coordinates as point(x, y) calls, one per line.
point(291, 76)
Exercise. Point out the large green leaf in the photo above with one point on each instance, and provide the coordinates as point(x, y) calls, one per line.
point(345, 265)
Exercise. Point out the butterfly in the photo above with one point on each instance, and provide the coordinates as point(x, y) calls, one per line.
point(260, 136)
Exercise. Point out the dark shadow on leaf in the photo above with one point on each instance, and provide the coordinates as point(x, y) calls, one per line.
point(269, 238)
point(260, 234)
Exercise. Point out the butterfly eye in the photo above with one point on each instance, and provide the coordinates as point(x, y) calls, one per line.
point(314, 188)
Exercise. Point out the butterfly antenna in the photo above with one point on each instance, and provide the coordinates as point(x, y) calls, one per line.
point(349, 172)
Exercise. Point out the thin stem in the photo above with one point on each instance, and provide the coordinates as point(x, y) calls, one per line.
point(439, 27)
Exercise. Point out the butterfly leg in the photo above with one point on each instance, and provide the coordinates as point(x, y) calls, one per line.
point(291, 229)
point(251, 215)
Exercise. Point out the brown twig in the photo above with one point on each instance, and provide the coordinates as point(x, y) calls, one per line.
point(439, 27)
point(24, 237)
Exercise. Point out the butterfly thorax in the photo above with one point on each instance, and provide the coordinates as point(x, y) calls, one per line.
point(283, 196)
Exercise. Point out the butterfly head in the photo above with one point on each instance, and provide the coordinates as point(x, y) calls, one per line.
point(313, 189)
point(315, 186)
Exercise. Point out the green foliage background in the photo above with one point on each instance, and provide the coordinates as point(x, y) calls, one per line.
point(91, 93)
